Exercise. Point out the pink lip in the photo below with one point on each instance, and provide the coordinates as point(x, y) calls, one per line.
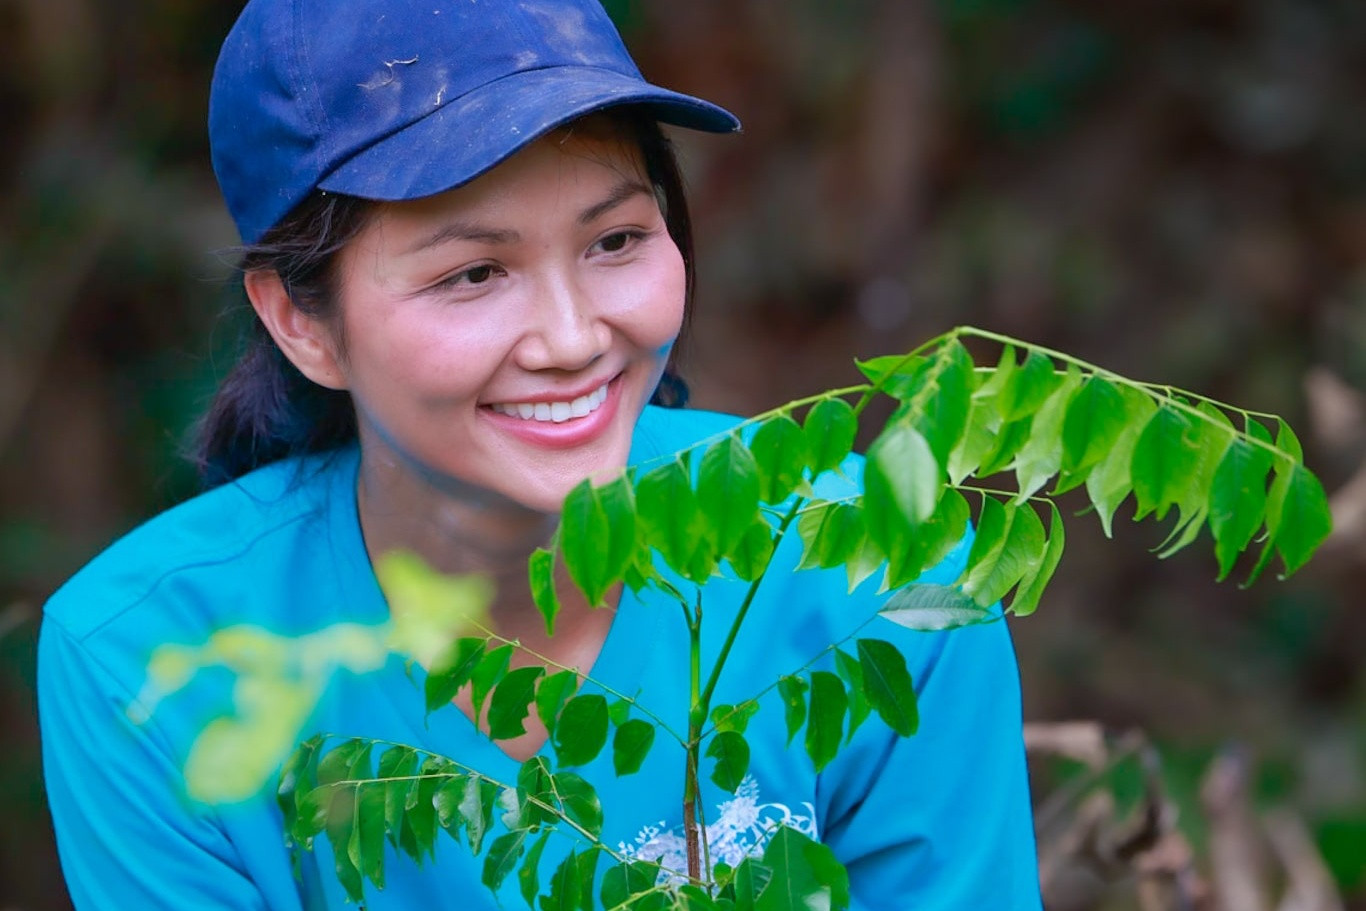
point(567, 434)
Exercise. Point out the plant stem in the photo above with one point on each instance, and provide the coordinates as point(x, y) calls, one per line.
point(744, 609)
point(691, 784)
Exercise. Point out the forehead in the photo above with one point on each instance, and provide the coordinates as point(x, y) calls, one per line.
point(558, 169)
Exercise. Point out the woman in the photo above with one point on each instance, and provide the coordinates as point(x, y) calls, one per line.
point(468, 249)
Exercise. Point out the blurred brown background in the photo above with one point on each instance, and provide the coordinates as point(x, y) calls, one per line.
point(1174, 189)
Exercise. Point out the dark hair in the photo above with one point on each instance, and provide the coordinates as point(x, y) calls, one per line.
point(266, 410)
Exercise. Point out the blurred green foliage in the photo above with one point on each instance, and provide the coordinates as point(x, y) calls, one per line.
point(1171, 188)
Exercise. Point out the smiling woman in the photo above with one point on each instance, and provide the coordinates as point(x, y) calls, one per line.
point(466, 242)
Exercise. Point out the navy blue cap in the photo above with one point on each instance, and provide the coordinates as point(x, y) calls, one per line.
point(398, 99)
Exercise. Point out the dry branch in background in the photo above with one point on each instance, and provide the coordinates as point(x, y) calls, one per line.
point(1091, 854)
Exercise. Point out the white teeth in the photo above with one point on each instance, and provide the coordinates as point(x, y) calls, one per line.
point(556, 412)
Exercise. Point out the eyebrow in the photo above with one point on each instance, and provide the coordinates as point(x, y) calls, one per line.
point(627, 189)
point(461, 229)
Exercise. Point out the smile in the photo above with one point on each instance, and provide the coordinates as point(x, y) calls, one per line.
point(554, 412)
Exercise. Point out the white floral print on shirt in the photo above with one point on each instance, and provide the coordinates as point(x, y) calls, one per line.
point(742, 828)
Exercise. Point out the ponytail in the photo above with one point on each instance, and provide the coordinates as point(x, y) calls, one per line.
point(265, 409)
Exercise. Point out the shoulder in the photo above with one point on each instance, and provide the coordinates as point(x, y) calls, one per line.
point(663, 431)
point(212, 541)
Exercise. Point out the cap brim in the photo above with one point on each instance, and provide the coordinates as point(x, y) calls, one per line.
point(467, 136)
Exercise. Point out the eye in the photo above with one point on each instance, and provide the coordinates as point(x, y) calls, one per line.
point(618, 241)
point(473, 276)
point(478, 275)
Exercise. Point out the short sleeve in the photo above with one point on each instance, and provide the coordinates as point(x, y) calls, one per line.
point(941, 820)
point(127, 836)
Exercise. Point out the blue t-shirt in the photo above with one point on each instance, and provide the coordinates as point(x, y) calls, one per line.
point(939, 820)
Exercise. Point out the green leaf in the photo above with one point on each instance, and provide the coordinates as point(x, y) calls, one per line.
point(568, 891)
point(1298, 517)
point(541, 571)
point(598, 535)
point(476, 808)
point(447, 802)
point(1000, 376)
point(588, 869)
point(618, 710)
point(535, 796)
point(1027, 388)
point(1010, 438)
point(346, 762)
point(511, 702)
point(830, 533)
point(622, 881)
point(529, 874)
point(887, 684)
point(851, 672)
point(902, 475)
point(1165, 460)
point(933, 540)
point(418, 836)
point(825, 723)
point(579, 801)
point(780, 453)
point(929, 608)
point(551, 694)
point(345, 837)
point(731, 752)
point(1112, 479)
point(939, 408)
point(370, 838)
point(1031, 588)
point(830, 428)
point(397, 765)
point(728, 491)
point(863, 562)
point(805, 875)
point(792, 690)
point(582, 731)
point(672, 520)
point(299, 776)
point(750, 556)
point(1095, 419)
point(1237, 501)
point(311, 817)
point(896, 375)
point(630, 744)
point(993, 525)
point(901, 488)
point(750, 879)
point(1287, 442)
point(978, 442)
point(1041, 456)
point(695, 898)
point(487, 672)
point(503, 855)
point(734, 717)
point(1019, 554)
point(452, 671)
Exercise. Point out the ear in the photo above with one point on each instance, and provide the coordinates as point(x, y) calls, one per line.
point(305, 340)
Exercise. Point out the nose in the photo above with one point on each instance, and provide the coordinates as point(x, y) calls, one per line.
point(565, 329)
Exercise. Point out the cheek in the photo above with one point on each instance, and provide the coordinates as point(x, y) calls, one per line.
point(653, 303)
point(423, 361)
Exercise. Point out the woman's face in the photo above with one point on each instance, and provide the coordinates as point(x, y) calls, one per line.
point(507, 333)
